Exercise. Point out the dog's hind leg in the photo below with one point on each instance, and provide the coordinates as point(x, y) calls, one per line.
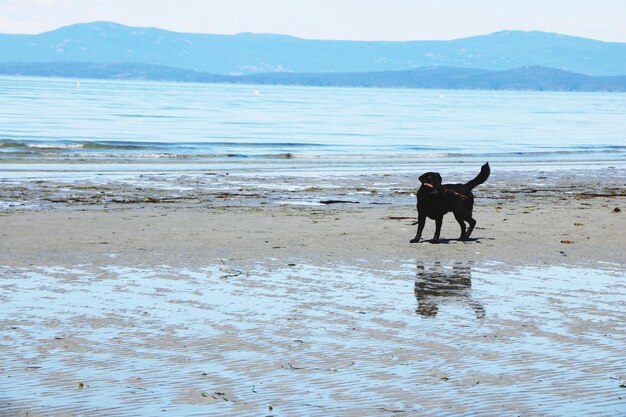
point(472, 223)
point(421, 221)
point(459, 219)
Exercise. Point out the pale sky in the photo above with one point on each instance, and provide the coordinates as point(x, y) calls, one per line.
point(330, 19)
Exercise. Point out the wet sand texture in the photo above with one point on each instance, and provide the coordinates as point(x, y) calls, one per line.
point(413, 339)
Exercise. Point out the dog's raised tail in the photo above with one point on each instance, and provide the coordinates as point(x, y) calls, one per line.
point(481, 177)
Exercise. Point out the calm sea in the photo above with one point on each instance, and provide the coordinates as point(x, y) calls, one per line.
point(62, 125)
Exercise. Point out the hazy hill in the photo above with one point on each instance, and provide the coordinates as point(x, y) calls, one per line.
point(111, 43)
point(524, 78)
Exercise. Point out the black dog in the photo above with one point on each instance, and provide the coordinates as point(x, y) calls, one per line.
point(434, 200)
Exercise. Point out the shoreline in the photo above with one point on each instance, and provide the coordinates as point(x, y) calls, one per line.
point(253, 274)
point(388, 79)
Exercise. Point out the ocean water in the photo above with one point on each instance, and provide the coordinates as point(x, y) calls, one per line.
point(50, 126)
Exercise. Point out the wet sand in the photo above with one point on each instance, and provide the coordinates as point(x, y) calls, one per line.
point(413, 339)
point(122, 300)
point(581, 232)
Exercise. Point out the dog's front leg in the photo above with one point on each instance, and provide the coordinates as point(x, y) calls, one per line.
point(438, 223)
point(421, 221)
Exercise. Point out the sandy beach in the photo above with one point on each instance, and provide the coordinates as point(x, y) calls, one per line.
point(527, 218)
point(306, 298)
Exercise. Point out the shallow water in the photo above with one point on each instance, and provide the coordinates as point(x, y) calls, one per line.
point(409, 339)
point(49, 128)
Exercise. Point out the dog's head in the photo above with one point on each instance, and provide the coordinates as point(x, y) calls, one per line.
point(430, 180)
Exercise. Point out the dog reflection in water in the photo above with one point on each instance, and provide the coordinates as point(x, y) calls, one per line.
point(439, 285)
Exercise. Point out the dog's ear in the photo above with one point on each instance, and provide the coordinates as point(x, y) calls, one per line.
point(439, 179)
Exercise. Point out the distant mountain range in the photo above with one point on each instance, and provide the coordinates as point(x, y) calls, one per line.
point(523, 78)
point(503, 60)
